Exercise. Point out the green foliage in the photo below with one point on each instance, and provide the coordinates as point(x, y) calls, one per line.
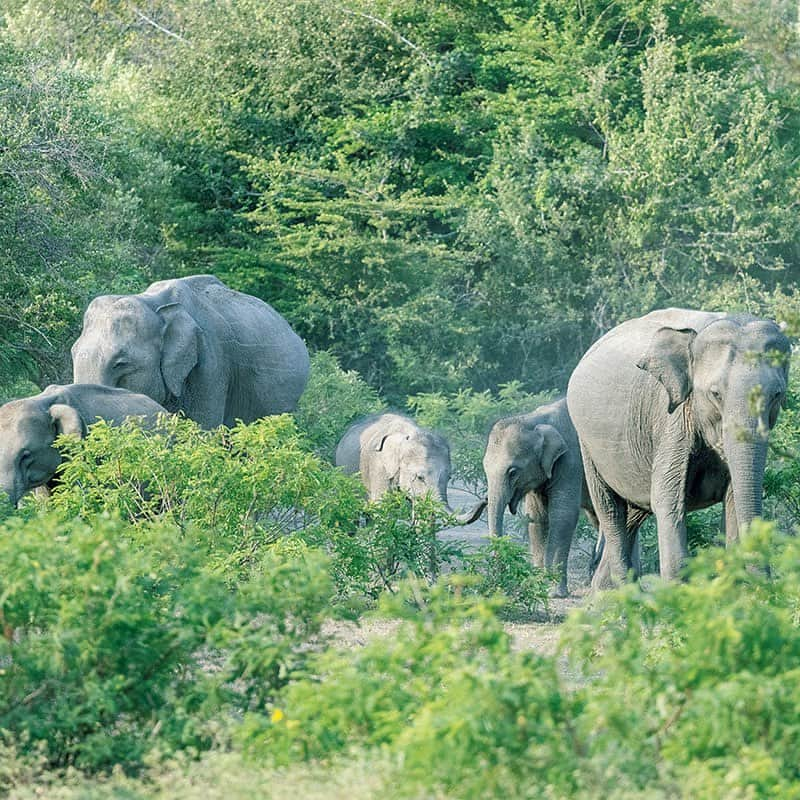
point(78, 197)
point(333, 398)
point(782, 477)
point(247, 486)
point(504, 568)
point(120, 640)
point(711, 664)
point(394, 540)
point(250, 487)
point(445, 693)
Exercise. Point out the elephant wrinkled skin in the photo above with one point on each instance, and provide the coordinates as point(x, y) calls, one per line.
point(391, 451)
point(28, 428)
point(196, 346)
point(534, 460)
point(673, 411)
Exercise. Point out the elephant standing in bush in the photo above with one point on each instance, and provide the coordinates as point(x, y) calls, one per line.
point(196, 346)
point(28, 428)
point(672, 412)
point(391, 451)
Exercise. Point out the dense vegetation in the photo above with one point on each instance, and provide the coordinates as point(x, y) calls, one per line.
point(449, 201)
point(445, 195)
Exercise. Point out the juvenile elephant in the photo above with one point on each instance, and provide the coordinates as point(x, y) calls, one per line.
point(672, 412)
point(534, 459)
point(28, 428)
point(196, 346)
point(391, 451)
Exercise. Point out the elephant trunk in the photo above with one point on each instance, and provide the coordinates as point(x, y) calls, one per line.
point(11, 487)
point(497, 502)
point(746, 452)
point(468, 516)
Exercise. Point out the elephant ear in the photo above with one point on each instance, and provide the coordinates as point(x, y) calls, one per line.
point(381, 444)
point(669, 361)
point(67, 420)
point(179, 346)
point(553, 447)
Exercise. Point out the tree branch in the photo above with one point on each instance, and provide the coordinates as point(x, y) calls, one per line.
point(158, 27)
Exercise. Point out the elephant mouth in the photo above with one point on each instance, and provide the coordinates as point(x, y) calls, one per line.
point(515, 500)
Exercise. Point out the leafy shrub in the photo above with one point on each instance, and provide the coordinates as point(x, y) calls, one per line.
point(445, 693)
point(393, 541)
point(332, 400)
point(782, 478)
point(247, 485)
point(503, 566)
point(712, 665)
point(118, 640)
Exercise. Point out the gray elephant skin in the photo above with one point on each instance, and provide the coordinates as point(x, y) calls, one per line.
point(534, 461)
point(390, 451)
point(28, 428)
point(673, 412)
point(196, 346)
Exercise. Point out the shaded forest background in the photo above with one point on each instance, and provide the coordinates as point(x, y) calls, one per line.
point(443, 194)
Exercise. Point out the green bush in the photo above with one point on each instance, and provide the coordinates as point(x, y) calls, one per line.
point(120, 640)
point(503, 566)
point(691, 690)
point(332, 400)
point(393, 540)
point(247, 486)
point(445, 693)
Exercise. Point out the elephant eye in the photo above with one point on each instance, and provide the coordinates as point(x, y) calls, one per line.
point(25, 457)
point(716, 395)
point(120, 362)
point(512, 471)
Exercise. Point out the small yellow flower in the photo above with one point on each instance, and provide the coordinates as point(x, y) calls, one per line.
point(276, 715)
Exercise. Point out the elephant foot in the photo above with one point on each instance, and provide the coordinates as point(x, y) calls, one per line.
point(559, 591)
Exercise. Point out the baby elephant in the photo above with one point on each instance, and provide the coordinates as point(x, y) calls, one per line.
point(392, 452)
point(29, 426)
point(536, 458)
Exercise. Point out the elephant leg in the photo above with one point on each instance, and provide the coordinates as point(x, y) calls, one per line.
point(636, 516)
point(537, 511)
point(610, 509)
point(667, 499)
point(731, 522)
point(564, 509)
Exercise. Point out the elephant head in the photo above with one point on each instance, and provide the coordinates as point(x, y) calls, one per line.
point(520, 457)
point(27, 432)
point(730, 380)
point(127, 344)
point(417, 462)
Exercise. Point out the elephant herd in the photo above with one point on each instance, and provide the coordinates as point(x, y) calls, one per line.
point(664, 414)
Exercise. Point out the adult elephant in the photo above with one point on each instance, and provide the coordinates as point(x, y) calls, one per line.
point(196, 346)
point(390, 451)
point(28, 428)
point(534, 461)
point(673, 411)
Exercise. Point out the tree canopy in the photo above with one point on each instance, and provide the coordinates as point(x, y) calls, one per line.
point(444, 194)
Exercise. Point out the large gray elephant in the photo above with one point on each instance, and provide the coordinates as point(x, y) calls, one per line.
point(28, 428)
point(672, 412)
point(196, 346)
point(390, 451)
